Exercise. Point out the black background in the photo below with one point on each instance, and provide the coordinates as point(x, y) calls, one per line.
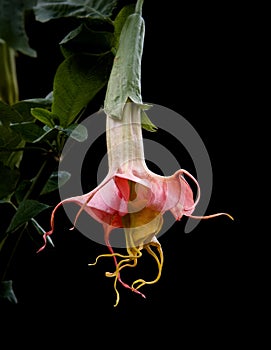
point(193, 63)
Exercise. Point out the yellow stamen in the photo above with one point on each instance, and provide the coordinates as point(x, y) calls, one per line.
point(159, 263)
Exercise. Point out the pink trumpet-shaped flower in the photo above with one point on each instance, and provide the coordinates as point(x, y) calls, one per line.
point(134, 198)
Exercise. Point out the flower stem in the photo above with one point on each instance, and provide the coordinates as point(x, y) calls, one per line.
point(138, 8)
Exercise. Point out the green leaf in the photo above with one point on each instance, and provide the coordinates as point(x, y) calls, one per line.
point(46, 10)
point(56, 180)
point(7, 210)
point(24, 107)
point(7, 294)
point(8, 114)
point(85, 40)
point(77, 131)
point(10, 141)
point(49, 134)
point(77, 80)
point(21, 189)
point(8, 180)
point(44, 116)
point(27, 210)
point(12, 29)
point(29, 131)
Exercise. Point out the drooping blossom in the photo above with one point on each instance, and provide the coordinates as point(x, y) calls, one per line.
point(134, 198)
point(131, 196)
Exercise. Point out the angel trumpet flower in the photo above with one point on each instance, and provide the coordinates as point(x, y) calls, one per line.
point(134, 198)
point(131, 196)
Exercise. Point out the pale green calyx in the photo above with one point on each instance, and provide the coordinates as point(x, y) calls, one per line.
point(125, 79)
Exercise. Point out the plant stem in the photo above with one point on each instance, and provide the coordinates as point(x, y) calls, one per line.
point(9, 92)
point(40, 180)
point(12, 254)
point(42, 177)
point(138, 8)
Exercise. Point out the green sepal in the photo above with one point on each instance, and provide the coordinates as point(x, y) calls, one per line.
point(146, 123)
point(125, 79)
point(119, 22)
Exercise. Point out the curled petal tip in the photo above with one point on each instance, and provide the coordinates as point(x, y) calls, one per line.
point(228, 215)
point(45, 238)
point(40, 249)
point(138, 292)
point(210, 216)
